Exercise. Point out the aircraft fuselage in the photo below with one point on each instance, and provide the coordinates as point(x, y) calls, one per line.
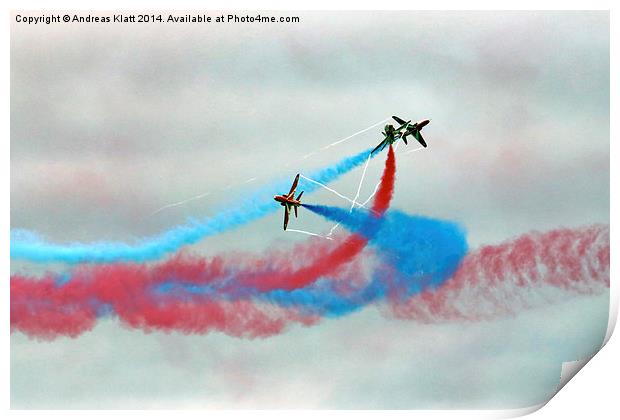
point(283, 200)
point(421, 124)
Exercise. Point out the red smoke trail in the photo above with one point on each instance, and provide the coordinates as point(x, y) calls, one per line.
point(39, 308)
point(44, 309)
point(504, 279)
point(535, 269)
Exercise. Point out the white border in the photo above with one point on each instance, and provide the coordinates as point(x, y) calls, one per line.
point(594, 394)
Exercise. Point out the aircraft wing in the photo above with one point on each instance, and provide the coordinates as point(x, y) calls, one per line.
point(292, 191)
point(419, 138)
point(398, 120)
point(285, 217)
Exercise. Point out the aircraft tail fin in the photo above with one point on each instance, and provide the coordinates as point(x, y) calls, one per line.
point(286, 210)
point(295, 211)
point(299, 196)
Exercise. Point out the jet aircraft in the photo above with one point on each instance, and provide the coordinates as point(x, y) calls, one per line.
point(289, 201)
point(405, 129)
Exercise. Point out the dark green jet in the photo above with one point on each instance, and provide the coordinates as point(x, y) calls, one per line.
point(405, 129)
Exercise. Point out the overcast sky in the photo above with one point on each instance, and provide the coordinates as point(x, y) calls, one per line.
point(111, 122)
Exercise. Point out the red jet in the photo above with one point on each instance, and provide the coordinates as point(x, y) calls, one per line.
point(289, 201)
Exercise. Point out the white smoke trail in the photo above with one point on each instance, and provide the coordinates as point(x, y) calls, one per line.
point(344, 139)
point(331, 231)
point(199, 196)
point(414, 150)
point(372, 195)
point(309, 233)
point(196, 197)
point(359, 187)
point(180, 203)
point(331, 190)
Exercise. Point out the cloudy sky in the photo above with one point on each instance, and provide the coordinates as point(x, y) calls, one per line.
point(111, 122)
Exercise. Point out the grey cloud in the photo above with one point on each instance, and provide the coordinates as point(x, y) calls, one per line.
point(110, 123)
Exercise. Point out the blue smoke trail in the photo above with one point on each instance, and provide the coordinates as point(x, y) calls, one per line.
point(424, 252)
point(28, 246)
point(406, 242)
point(428, 249)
